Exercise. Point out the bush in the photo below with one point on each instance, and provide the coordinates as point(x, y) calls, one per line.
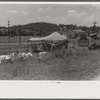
point(59, 54)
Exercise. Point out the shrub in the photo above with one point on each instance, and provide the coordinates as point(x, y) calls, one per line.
point(59, 54)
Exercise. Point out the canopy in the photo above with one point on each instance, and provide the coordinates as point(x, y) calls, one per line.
point(53, 37)
point(85, 41)
point(52, 41)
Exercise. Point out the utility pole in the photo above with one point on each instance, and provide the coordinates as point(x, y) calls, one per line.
point(8, 32)
point(19, 34)
point(94, 26)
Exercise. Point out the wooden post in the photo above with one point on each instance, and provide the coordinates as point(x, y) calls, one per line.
point(27, 44)
point(94, 26)
point(8, 32)
point(31, 44)
point(19, 34)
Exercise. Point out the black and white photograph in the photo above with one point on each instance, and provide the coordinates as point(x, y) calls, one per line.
point(49, 41)
point(49, 50)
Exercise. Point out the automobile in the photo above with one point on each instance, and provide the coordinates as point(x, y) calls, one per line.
point(95, 44)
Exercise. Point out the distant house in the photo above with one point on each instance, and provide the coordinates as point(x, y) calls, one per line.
point(83, 40)
point(79, 32)
point(69, 33)
point(73, 33)
point(95, 35)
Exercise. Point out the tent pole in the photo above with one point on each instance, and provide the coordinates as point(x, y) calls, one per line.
point(27, 44)
point(31, 44)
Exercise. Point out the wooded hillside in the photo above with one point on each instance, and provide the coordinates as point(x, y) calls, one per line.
point(42, 29)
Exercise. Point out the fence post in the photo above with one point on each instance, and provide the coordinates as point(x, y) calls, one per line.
point(19, 34)
point(8, 32)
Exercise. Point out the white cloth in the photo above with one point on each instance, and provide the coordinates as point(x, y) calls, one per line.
point(42, 55)
point(29, 54)
point(71, 47)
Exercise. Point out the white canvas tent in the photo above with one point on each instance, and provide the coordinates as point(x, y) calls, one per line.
point(83, 42)
point(53, 37)
point(52, 40)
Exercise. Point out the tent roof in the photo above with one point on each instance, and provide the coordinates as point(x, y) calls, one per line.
point(52, 37)
point(93, 34)
point(36, 39)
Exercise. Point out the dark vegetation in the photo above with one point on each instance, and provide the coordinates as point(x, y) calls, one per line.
point(42, 29)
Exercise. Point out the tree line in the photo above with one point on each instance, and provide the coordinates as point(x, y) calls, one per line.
point(43, 29)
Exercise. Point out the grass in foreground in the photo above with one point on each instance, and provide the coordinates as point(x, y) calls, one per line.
point(59, 65)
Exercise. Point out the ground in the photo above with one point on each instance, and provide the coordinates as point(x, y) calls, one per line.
point(80, 65)
point(5, 39)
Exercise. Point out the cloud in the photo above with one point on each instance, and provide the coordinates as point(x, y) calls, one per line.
point(83, 14)
point(44, 18)
point(90, 19)
point(64, 14)
point(49, 8)
point(40, 9)
point(18, 12)
point(97, 6)
point(72, 13)
point(23, 12)
point(92, 16)
point(74, 17)
point(63, 19)
point(13, 11)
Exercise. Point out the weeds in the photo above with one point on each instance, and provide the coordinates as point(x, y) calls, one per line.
point(58, 65)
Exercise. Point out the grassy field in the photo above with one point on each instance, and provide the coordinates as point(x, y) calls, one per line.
point(59, 65)
point(4, 39)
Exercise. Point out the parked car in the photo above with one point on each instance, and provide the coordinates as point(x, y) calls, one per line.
point(95, 44)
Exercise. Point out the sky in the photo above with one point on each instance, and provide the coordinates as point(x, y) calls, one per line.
point(79, 14)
